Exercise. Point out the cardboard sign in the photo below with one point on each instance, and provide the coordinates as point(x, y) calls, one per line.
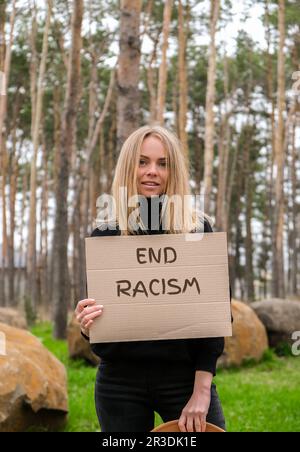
point(164, 286)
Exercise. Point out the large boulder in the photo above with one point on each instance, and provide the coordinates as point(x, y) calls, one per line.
point(13, 317)
point(249, 338)
point(33, 383)
point(280, 317)
point(78, 346)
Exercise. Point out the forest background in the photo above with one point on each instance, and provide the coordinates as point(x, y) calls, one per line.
point(77, 77)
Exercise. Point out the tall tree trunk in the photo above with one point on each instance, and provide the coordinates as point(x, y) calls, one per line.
point(182, 73)
point(234, 227)
point(81, 212)
point(43, 255)
point(151, 80)
point(21, 250)
point(61, 282)
point(209, 112)
point(2, 33)
point(162, 76)
point(2, 160)
point(221, 193)
point(57, 116)
point(267, 221)
point(295, 232)
point(278, 265)
point(128, 104)
point(232, 175)
point(12, 176)
point(102, 160)
point(12, 181)
point(198, 151)
point(31, 250)
point(269, 218)
point(5, 69)
point(224, 144)
point(111, 158)
point(175, 96)
point(33, 64)
point(270, 83)
point(249, 276)
point(77, 251)
point(96, 185)
point(236, 262)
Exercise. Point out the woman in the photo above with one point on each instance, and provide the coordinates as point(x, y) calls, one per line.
point(171, 377)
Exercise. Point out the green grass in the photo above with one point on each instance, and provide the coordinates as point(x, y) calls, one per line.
point(256, 397)
point(262, 398)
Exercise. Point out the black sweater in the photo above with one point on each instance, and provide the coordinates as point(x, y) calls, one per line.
point(201, 353)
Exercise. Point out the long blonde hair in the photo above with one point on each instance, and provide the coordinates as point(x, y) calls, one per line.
point(172, 213)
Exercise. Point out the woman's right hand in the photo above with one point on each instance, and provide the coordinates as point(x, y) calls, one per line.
point(86, 311)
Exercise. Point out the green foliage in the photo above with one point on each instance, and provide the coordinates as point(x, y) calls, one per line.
point(283, 349)
point(263, 398)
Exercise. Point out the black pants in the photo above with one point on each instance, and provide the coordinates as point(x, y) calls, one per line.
point(127, 396)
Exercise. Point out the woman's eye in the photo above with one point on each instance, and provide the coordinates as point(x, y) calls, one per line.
point(163, 164)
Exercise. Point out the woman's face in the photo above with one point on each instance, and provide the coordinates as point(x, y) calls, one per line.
point(152, 171)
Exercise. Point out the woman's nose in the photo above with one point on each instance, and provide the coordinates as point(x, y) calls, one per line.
point(152, 169)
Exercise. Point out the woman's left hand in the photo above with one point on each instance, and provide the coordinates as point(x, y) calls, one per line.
point(193, 415)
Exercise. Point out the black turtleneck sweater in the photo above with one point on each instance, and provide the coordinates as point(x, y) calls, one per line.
point(201, 353)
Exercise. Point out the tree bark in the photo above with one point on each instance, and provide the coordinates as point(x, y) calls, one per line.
point(81, 213)
point(224, 145)
point(249, 276)
point(128, 103)
point(31, 289)
point(271, 97)
point(151, 81)
point(43, 254)
point(278, 264)
point(61, 282)
point(57, 119)
point(162, 76)
point(235, 269)
point(182, 72)
point(112, 155)
point(295, 233)
point(21, 250)
point(232, 175)
point(5, 68)
point(12, 181)
point(209, 112)
point(198, 149)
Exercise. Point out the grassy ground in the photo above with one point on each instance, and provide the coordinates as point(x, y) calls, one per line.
point(261, 397)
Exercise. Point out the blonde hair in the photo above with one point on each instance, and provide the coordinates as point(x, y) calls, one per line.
point(177, 187)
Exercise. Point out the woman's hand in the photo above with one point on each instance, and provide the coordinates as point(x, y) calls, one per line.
point(193, 415)
point(86, 311)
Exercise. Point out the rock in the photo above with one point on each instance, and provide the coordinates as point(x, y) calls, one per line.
point(78, 346)
point(13, 317)
point(33, 384)
point(249, 338)
point(280, 317)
